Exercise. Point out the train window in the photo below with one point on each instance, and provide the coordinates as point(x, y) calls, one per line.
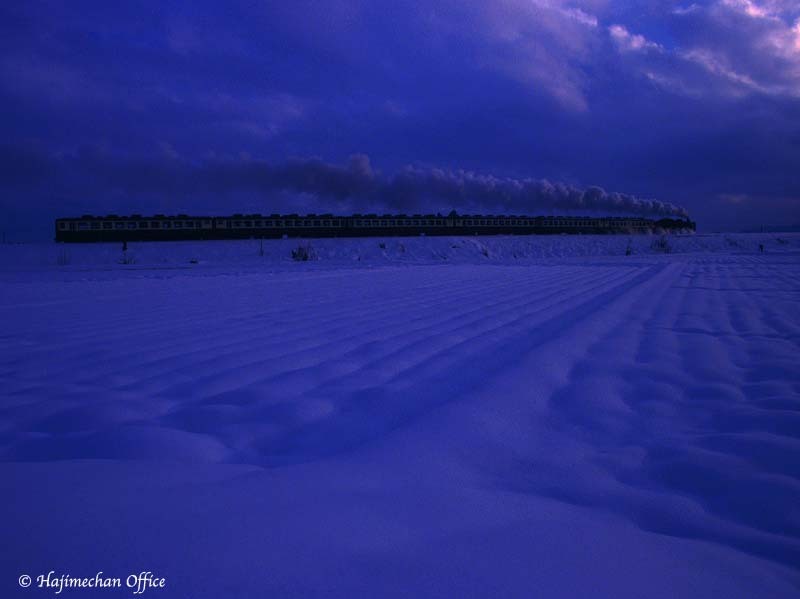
point(248, 223)
point(189, 224)
point(95, 226)
point(62, 226)
point(317, 223)
point(107, 225)
point(155, 225)
point(415, 222)
point(237, 223)
point(258, 223)
point(166, 225)
point(83, 226)
point(119, 225)
point(326, 223)
point(178, 224)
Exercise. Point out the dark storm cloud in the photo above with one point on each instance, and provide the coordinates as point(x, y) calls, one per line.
point(679, 100)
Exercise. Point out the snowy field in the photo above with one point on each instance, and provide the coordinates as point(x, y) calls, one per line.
point(427, 417)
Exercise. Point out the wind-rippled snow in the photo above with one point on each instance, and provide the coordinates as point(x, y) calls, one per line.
point(471, 417)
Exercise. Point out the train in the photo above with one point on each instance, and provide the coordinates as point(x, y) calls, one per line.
point(89, 228)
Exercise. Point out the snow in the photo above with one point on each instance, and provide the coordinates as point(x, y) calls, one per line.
point(430, 417)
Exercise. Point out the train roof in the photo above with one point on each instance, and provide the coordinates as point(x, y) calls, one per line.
point(357, 215)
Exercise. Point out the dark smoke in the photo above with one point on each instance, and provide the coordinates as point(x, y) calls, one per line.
point(96, 176)
point(487, 193)
point(418, 188)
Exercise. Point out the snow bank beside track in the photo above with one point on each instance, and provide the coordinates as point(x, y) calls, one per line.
point(373, 251)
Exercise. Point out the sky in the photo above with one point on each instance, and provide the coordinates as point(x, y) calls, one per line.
point(525, 107)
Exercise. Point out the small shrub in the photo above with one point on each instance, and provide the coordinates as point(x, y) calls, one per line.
point(661, 245)
point(382, 245)
point(127, 258)
point(629, 248)
point(63, 258)
point(304, 253)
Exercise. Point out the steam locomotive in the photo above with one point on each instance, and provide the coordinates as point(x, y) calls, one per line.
point(108, 228)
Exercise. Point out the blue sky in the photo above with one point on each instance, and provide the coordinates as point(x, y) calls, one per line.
point(335, 105)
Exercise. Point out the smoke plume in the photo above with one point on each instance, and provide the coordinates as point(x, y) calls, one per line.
point(310, 185)
point(357, 186)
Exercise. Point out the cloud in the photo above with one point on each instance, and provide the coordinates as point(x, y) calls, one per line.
point(687, 99)
point(545, 45)
point(631, 42)
point(723, 48)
